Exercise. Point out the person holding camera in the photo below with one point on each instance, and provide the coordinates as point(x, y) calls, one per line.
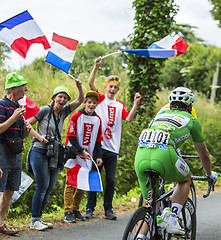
point(42, 154)
point(85, 135)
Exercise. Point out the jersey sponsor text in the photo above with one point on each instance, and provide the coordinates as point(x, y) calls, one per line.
point(111, 115)
point(87, 133)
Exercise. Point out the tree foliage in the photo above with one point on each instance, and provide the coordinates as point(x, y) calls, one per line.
point(216, 10)
point(194, 69)
point(153, 21)
point(4, 50)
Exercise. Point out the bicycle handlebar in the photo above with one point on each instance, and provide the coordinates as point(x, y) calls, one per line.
point(189, 156)
point(205, 179)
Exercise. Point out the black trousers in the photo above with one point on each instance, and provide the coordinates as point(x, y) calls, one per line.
point(110, 164)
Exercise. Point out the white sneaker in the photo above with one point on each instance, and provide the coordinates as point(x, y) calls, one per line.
point(50, 225)
point(38, 225)
point(175, 229)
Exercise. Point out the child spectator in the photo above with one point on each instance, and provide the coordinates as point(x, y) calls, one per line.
point(85, 134)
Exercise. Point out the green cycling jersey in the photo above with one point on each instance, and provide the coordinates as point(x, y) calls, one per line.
point(172, 127)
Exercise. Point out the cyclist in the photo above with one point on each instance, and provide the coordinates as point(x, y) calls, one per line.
point(157, 151)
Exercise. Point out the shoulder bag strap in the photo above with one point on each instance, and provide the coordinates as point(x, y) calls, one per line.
point(49, 116)
point(56, 124)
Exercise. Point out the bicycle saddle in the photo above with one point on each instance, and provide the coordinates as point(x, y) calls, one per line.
point(152, 173)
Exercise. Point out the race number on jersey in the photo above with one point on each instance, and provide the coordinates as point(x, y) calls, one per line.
point(154, 138)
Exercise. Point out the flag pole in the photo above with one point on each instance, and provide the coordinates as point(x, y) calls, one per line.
point(111, 54)
point(95, 164)
point(82, 84)
point(97, 171)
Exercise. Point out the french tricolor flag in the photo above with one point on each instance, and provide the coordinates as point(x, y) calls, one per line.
point(169, 46)
point(31, 107)
point(84, 179)
point(20, 32)
point(62, 52)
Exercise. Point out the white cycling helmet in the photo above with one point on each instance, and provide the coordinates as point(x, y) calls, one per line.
point(182, 94)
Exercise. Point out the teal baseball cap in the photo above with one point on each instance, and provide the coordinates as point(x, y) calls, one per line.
point(14, 79)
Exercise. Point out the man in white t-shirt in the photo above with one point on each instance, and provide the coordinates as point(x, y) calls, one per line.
point(111, 112)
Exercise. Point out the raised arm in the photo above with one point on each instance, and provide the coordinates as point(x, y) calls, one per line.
point(91, 79)
point(76, 103)
point(131, 115)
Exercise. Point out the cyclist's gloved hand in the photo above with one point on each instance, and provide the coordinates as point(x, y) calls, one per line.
point(213, 176)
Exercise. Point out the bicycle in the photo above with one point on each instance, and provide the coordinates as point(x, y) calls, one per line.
point(145, 217)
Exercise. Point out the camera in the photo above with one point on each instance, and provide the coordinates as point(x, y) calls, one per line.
point(70, 152)
point(50, 139)
point(50, 146)
point(67, 152)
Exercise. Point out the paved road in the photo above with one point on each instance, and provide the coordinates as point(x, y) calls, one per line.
point(209, 217)
point(208, 225)
point(99, 229)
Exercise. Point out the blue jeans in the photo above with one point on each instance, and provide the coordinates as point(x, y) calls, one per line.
point(45, 180)
point(110, 164)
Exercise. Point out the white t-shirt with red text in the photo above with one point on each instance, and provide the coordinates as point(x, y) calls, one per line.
point(88, 130)
point(112, 112)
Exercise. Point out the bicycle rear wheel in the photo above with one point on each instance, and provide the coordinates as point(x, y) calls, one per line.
point(140, 219)
point(188, 219)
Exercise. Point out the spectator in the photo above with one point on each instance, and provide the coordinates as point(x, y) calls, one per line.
point(46, 175)
point(85, 134)
point(112, 112)
point(12, 124)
